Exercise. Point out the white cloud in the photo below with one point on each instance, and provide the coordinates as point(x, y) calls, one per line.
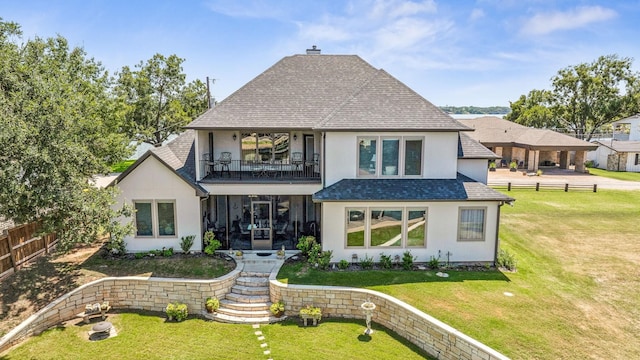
point(545, 23)
point(323, 31)
point(476, 14)
point(408, 33)
point(247, 9)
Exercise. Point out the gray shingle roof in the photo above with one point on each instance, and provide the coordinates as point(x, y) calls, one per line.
point(460, 189)
point(494, 131)
point(325, 92)
point(469, 148)
point(621, 146)
point(178, 155)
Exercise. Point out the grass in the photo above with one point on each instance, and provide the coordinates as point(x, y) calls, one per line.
point(618, 175)
point(575, 292)
point(148, 335)
point(121, 166)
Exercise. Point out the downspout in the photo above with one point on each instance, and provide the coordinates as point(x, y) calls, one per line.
point(324, 158)
point(495, 253)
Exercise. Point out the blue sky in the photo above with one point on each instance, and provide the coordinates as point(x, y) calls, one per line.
point(481, 53)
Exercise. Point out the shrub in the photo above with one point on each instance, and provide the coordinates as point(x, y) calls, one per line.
point(314, 253)
point(385, 261)
point(311, 311)
point(167, 252)
point(506, 260)
point(177, 311)
point(140, 255)
point(589, 164)
point(212, 304)
point(434, 262)
point(325, 259)
point(277, 308)
point(211, 248)
point(407, 260)
point(305, 244)
point(367, 262)
point(343, 264)
point(186, 242)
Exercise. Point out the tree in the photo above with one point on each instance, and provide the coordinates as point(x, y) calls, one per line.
point(583, 97)
point(158, 102)
point(533, 110)
point(58, 128)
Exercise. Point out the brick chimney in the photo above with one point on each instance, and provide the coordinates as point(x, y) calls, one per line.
point(313, 51)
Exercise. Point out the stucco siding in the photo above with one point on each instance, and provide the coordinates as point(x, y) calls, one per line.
point(477, 169)
point(151, 180)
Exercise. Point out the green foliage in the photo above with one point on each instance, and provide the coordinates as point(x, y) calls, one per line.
point(506, 260)
point(211, 243)
point(177, 311)
point(212, 304)
point(311, 311)
point(121, 166)
point(434, 262)
point(343, 264)
point(475, 109)
point(325, 259)
point(314, 254)
point(407, 260)
point(277, 308)
point(140, 255)
point(385, 261)
point(367, 262)
point(157, 101)
point(186, 242)
point(492, 165)
point(305, 244)
point(59, 128)
point(167, 252)
point(513, 165)
point(589, 164)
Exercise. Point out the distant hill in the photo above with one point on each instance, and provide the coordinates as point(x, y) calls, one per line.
point(476, 110)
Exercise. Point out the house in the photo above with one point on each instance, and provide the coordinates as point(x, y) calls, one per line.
point(327, 146)
point(530, 148)
point(622, 151)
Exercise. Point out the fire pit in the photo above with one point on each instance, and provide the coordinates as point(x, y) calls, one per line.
point(100, 331)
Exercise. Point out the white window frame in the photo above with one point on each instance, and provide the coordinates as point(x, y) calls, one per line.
point(404, 154)
point(135, 217)
point(368, 229)
point(365, 221)
point(402, 144)
point(175, 218)
point(366, 210)
point(155, 222)
point(426, 227)
point(484, 223)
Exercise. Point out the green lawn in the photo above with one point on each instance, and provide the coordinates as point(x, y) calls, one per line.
point(149, 336)
point(575, 292)
point(121, 166)
point(618, 175)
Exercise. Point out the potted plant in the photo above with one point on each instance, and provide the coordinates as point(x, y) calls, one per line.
point(277, 308)
point(513, 166)
point(212, 304)
point(280, 253)
point(239, 254)
point(492, 166)
point(211, 244)
point(311, 312)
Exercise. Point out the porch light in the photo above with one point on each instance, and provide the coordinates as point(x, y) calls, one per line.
point(295, 137)
point(235, 136)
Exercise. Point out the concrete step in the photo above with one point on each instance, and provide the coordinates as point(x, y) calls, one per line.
point(244, 313)
point(250, 290)
point(245, 306)
point(247, 299)
point(230, 319)
point(253, 281)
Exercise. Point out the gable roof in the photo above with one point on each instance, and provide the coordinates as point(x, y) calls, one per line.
point(178, 155)
point(493, 131)
point(462, 188)
point(326, 92)
point(621, 146)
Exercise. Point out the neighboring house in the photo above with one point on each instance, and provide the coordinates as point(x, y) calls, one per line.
point(529, 147)
point(322, 145)
point(622, 152)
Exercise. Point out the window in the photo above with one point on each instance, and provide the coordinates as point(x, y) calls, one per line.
point(367, 157)
point(637, 160)
point(397, 156)
point(144, 225)
point(267, 147)
point(166, 218)
point(155, 218)
point(355, 227)
point(390, 156)
point(413, 157)
point(386, 227)
point(416, 227)
point(471, 224)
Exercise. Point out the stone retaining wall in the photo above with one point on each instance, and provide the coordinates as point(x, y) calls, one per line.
point(431, 335)
point(139, 293)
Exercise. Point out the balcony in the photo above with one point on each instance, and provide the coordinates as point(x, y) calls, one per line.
point(225, 170)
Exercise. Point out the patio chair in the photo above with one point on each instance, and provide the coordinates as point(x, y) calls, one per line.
point(225, 161)
point(296, 160)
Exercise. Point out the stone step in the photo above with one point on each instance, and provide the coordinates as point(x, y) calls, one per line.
point(245, 306)
point(230, 319)
point(255, 274)
point(253, 281)
point(250, 290)
point(244, 313)
point(247, 299)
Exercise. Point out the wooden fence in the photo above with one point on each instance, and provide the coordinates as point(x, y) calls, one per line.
point(19, 245)
point(543, 186)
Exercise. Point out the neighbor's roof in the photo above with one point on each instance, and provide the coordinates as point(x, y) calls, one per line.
point(469, 148)
point(493, 131)
point(621, 146)
point(326, 92)
point(627, 120)
point(460, 189)
point(178, 155)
